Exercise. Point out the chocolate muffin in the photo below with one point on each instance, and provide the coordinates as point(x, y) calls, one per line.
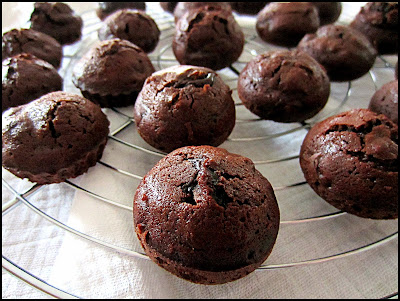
point(247, 8)
point(328, 12)
point(345, 53)
point(208, 37)
point(184, 105)
point(132, 25)
point(112, 73)
point(25, 78)
point(53, 138)
point(206, 215)
point(379, 22)
point(386, 101)
point(105, 9)
point(182, 7)
point(286, 23)
point(350, 160)
point(284, 86)
point(39, 44)
point(57, 20)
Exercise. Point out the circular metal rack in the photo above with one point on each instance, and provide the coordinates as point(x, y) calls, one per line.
point(272, 146)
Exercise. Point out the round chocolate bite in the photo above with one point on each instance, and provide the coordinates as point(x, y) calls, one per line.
point(182, 7)
point(206, 215)
point(105, 9)
point(328, 12)
point(39, 44)
point(247, 8)
point(350, 160)
point(53, 138)
point(379, 22)
point(25, 78)
point(345, 53)
point(184, 105)
point(112, 73)
point(57, 20)
point(132, 25)
point(208, 37)
point(286, 23)
point(386, 101)
point(284, 86)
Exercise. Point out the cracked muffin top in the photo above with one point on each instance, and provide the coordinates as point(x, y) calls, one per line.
point(34, 42)
point(206, 215)
point(208, 36)
point(184, 105)
point(43, 139)
point(284, 86)
point(351, 161)
point(25, 78)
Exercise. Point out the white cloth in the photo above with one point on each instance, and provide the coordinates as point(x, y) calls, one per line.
point(88, 270)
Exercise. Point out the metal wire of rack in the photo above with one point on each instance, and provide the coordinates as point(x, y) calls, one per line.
point(258, 139)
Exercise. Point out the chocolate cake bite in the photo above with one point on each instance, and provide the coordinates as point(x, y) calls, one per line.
point(284, 86)
point(54, 138)
point(58, 20)
point(184, 105)
point(386, 101)
point(351, 161)
point(30, 41)
point(208, 37)
point(206, 215)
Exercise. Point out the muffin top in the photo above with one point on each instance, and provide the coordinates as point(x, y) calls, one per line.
point(380, 14)
point(52, 132)
point(25, 78)
point(208, 209)
point(132, 25)
point(58, 20)
point(112, 67)
point(34, 42)
point(105, 9)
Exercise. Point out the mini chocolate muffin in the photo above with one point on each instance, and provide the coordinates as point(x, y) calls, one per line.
point(53, 138)
point(247, 8)
point(58, 20)
point(39, 44)
point(105, 9)
point(184, 105)
point(286, 23)
point(379, 22)
point(168, 6)
point(328, 12)
point(350, 160)
point(132, 25)
point(25, 78)
point(182, 7)
point(284, 86)
point(345, 53)
point(206, 215)
point(208, 37)
point(386, 101)
point(112, 73)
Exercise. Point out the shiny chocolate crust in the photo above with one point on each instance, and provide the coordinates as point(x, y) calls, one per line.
point(386, 101)
point(351, 161)
point(53, 138)
point(206, 215)
point(184, 105)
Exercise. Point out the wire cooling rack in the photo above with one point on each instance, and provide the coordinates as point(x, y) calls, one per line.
point(272, 146)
